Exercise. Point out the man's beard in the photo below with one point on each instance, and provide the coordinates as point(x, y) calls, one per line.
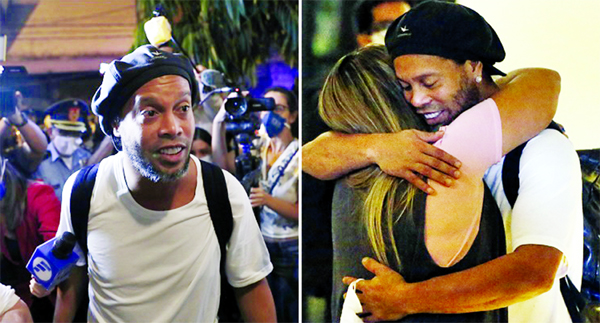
point(467, 96)
point(147, 170)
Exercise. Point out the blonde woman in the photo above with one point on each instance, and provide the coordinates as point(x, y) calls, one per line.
point(423, 236)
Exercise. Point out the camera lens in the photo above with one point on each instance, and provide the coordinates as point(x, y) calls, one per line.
point(236, 106)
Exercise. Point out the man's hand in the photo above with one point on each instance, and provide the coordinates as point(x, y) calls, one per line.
point(15, 117)
point(379, 296)
point(407, 154)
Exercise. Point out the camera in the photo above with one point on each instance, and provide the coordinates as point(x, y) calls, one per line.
point(239, 106)
point(7, 102)
point(243, 123)
point(8, 74)
point(241, 118)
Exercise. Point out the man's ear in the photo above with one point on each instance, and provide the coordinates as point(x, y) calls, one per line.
point(474, 69)
point(115, 128)
point(293, 116)
point(53, 132)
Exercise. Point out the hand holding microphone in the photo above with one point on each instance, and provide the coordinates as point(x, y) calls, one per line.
point(52, 261)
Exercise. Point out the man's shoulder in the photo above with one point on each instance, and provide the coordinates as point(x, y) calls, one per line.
point(550, 145)
point(550, 149)
point(104, 167)
point(550, 137)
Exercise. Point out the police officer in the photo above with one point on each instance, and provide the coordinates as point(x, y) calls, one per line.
point(65, 153)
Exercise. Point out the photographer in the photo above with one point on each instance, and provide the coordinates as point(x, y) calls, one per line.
point(277, 195)
point(29, 153)
point(223, 154)
point(208, 81)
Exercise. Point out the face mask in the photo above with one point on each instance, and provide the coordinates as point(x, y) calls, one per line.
point(273, 123)
point(65, 145)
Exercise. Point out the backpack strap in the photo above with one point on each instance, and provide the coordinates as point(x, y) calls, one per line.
point(510, 174)
point(81, 195)
point(510, 181)
point(217, 198)
point(575, 302)
point(510, 168)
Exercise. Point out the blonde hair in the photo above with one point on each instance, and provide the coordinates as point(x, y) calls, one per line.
point(362, 95)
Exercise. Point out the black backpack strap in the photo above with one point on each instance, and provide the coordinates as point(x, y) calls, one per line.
point(510, 168)
point(217, 198)
point(510, 174)
point(510, 181)
point(81, 195)
point(574, 300)
point(556, 126)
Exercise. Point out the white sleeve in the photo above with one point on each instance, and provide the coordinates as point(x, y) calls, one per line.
point(247, 255)
point(8, 298)
point(548, 210)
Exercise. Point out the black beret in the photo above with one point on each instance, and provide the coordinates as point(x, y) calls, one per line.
point(125, 76)
point(447, 30)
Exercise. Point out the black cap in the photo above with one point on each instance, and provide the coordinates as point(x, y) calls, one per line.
point(69, 115)
point(125, 76)
point(447, 30)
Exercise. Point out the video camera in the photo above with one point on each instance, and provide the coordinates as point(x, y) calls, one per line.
point(241, 118)
point(242, 122)
point(8, 74)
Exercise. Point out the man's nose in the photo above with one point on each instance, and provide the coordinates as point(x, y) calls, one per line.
point(170, 125)
point(419, 99)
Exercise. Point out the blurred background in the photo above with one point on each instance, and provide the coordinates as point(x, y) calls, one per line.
point(558, 34)
point(62, 43)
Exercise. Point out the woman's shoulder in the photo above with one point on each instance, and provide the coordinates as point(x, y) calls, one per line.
point(39, 187)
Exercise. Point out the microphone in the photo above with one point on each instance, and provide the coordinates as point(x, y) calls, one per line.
point(52, 261)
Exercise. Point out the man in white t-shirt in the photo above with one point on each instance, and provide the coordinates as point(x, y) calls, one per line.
point(153, 254)
point(544, 231)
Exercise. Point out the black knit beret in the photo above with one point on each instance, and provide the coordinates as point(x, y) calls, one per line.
point(125, 76)
point(447, 30)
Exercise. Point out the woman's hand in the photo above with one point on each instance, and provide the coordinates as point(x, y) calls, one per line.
point(258, 197)
point(38, 290)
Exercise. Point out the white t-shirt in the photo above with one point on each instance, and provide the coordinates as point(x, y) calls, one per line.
point(8, 298)
point(548, 211)
point(162, 266)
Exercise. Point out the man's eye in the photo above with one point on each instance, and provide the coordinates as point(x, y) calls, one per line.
point(429, 85)
point(185, 108)
point(149, 113)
